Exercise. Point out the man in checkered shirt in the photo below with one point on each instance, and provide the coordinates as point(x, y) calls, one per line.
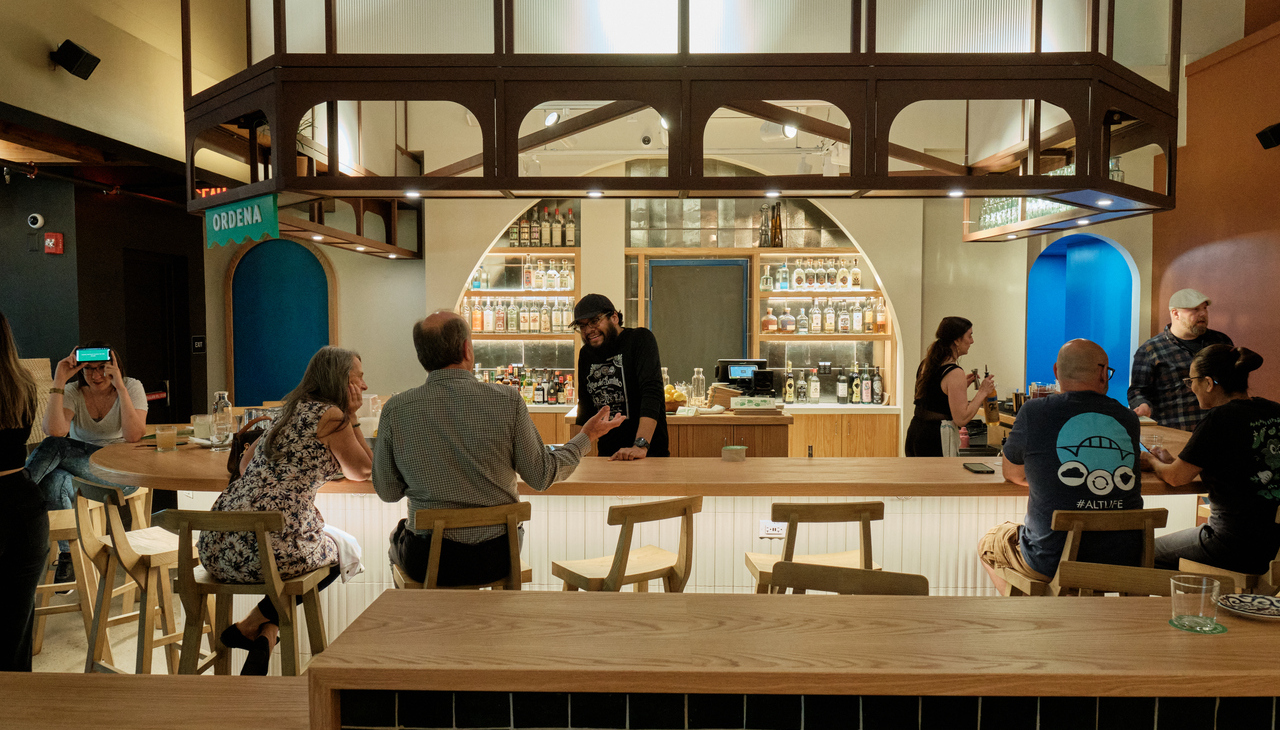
point(455, 442)
point(1160, 364)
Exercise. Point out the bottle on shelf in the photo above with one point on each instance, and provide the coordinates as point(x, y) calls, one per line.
point(535, 323)
point(819, 275)
point(539, 277)
point(829, 318)
point(553, 388)
point(566, 279)
point(882, 317)
point(535, 229)
point(802, 323)
point(810, 276)
point(488, 315)
point(842, 388)
point(815, 392)
point(466, 311)
point(570, 395)
point(513, 234)
point(477, 318)
point(833, 281)
point(769, 324)
point(775, 229)
point(877, 388)
point(570, 231)
point(484, 279)
point(789, 390)
point(868, 317)
point(527, 386)
point(552, 281)
point(500, 318)
point(782, 277)
point(842, 321)
point(802, 389)
point(539, 392)
point(557, 229)
point(855, 275)
point(787, 323)
point(545, 227)
point(797, 276)
point(842, 277)
point(815, 317)
point(766, 225)
point(866, 386)
point(855, 383)
point(544, 318)
point(766, 280)
point(557, 318)
point(475, 279)
point(524, 230)
point(528, 272)
point(524, 317)
point(513, 317)
point(855, 316)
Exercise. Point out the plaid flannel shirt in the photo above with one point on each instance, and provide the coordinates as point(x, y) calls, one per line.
point(1159, 366)
point(456, 442)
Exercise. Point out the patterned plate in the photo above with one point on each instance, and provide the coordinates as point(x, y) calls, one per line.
point(1267, 607)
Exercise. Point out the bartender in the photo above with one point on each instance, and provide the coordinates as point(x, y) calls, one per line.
point(619, 367)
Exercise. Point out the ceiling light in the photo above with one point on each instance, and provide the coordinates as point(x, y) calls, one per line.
point(1082, 222)
point(359, 248)
point(391, 256)
point(595, 194)
point(956, 193)
point(412, 194)
point(1105, 201)
point(774, 132)
point(552, 118)
point(772, 194)
point(1011, 236)
point(790, 131)
point(317, 238)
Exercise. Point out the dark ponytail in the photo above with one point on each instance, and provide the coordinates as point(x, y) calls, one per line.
point(1228, 366)
point(950, 329)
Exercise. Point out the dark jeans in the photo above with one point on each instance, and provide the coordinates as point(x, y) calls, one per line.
point(24, 551)
point(461, 564)
point(52, 465)
point(268, 608)
point(1202, 545)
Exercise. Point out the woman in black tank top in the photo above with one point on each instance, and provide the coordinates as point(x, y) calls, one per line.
point(941, 386)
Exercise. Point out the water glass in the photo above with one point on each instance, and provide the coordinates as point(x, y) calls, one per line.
point(1195, 602)
point(202, 426)
point(166, 438)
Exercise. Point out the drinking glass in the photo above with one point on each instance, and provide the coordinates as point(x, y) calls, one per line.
point(202, 426)
point(166, 438)
point(1195, 602)
point(223, 427)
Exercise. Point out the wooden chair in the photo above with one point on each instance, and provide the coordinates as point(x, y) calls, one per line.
point(1077, 522)
point(1087, 578)
point(196, 586)
point(439, 520)
point(146, 555)
point(761, 564)
point(637, 567)
point(1266, 584)
point(800, 577)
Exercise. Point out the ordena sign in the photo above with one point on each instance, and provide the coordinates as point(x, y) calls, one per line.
point(254, 219)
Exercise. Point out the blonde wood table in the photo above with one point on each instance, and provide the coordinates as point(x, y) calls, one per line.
point(786, 644)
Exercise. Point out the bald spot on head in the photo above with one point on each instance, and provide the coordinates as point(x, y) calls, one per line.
point(436, 320)
point(1079, 364)
point(441, 340)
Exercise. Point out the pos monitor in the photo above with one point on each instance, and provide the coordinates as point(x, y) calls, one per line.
point(740, 373)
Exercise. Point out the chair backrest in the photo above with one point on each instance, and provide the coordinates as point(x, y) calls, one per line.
point(184, 522)
point(861, 512)
point(1077, 522)
point(93, 522)
point(1086, 578)
point(630, 515)
point(800, 577)
point(439, 520)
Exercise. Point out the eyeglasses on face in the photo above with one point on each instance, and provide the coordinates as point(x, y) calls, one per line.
point(1111, 372)
point(582, 324)
point(1187, 381)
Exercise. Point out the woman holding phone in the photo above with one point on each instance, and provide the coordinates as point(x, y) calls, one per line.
point(91, 404)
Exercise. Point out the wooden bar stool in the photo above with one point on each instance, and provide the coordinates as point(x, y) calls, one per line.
point(146, 555)
point(801, 577)
point(1085, 578)
point(637, 567)
point(510, 515)
point(196, 587)
point(761, 564)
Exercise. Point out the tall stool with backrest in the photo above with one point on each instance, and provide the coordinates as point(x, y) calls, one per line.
point(801, 577)
point(1266, 584)
point(637, 567)
point(196, 585)
point(1085, 579)
point(439, 520)
point(146, 555)
point(1077, 522)
point(761, 564)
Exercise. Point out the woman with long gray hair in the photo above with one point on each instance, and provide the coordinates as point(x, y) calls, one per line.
point(315, 439)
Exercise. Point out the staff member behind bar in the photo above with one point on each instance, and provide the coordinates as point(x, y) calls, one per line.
point(619, 367)
point(1236, 452)
point(1163, 362)
point(941, 386)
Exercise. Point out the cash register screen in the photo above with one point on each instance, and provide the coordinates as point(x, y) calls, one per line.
point(737, 372)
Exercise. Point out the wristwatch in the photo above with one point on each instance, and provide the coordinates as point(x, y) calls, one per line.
point(641, 443)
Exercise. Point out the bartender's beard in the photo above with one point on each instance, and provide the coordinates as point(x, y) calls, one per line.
point(610, 333)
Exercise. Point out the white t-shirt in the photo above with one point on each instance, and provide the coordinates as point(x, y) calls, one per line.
point(108, 429)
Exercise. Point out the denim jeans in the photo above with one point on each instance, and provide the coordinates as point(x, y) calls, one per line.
point(52, 465)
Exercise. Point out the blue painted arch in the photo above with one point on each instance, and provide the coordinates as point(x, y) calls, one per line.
point(1083, 285)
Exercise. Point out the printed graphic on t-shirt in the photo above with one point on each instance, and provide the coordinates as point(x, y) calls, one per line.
point(607, 385)
point(1097, 451)
point(1266, 440)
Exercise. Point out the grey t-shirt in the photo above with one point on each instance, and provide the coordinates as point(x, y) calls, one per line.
point(108, 429)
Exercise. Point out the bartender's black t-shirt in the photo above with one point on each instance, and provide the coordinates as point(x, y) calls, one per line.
point(627, 377)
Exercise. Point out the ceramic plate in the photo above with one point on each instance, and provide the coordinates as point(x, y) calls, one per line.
point(1267, 607)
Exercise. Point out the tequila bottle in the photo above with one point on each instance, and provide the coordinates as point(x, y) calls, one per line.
point(802, 323)
point(524, 317)
point(833, 276)
point(544, 318)
point(765, 226)
point(882, 317)
point(842, 388)
point(842, 277)
point(477, 317)
point(855, 275)
point(524, 231)
point(789, 390)
point(528, 272)
point(877, 388)
point(855, 316)
point(810, 276)
point(539, 277)
point(566, 280)
point(866, 386)
point(513, 317)
point(545, 225)
point(868, 317)
point(855, 383)
point(829, 318)
point(513, 234)
point(815, 393)
point(500, 318)
point(535, 229)
point(557, 318)
point(842, 322)
point(815, 317)
point(488, 315)
point(557, 230)
point(570, 231)
point(797, 276)
point(552, 281)
point(766, 280)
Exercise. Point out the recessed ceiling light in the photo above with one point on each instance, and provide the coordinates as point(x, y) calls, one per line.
point(412, 194)
point(1011, 236)
point(595, 194)
point(772, 194)
point(956, 193)
point(359, 248)
point(1082, 222)
point(551, 118)
point(317, 238)
point(1105, 201)
point(391, 256)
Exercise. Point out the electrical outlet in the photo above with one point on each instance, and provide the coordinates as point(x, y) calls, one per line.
point(773, 529)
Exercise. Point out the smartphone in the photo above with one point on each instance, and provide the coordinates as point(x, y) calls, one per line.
point(980, 469)
point(1144, 447)
point(93, 354)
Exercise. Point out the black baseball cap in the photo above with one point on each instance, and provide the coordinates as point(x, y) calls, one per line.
point(591, 305)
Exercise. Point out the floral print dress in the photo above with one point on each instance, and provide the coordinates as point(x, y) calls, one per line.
point(289, 484)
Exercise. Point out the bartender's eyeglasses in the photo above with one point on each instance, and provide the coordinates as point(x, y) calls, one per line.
point(591, 322)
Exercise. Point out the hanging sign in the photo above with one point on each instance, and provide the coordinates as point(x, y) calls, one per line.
point(255, 219)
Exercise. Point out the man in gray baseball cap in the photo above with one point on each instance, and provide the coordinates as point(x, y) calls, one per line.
point(1156, 387)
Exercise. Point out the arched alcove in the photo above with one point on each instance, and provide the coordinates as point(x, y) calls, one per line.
point(1083, 286)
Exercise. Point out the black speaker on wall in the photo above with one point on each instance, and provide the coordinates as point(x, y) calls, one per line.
point(1270, 137)
point(74, 58)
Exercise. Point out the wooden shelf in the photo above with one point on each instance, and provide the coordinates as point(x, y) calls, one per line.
point(520, 336)
point(522, 293)
point(819, 338)
point(833, 251)
point(732, 252)
point(534, 250)
point(847, 294)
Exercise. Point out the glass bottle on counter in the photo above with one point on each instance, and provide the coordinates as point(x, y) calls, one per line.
point(553, 384)
point(855, 275)
point(545, 226)
point(513, 317)
point(570, 231)
point(802, 389)
point(842, 388)
point(544, 318)
point(223, 421)
point(477, 318)
point(842, 277)
point(882, 317)
point(500, 318)
point(797, 276)
point(855, 383)
point(489, 324)
point(829, 318)
point(528, 272)
point(570, 396)
point(842, 320)
point(868, 317)
point(877, 388)
point(552, 280)
point(699, 387)
point(815, 317)
point(867, 386)
point(524, 317)
point(766, 280)
point(768, 324)
point(666, 379)
point(786, 323)
point(524, 230)
point(540, 392)
point(557, 230)
point(782, 277)
point(789, 390)
point(815, 392)
point(802, 323)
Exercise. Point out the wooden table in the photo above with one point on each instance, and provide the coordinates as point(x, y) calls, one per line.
point(785, 644)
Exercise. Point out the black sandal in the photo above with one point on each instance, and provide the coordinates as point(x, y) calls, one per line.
point(259, 658)
point(233, 638)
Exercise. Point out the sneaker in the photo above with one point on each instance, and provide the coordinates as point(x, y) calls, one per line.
point(65, 572)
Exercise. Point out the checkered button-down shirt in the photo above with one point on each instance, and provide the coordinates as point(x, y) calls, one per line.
point(455, 442)
point(1159, 366)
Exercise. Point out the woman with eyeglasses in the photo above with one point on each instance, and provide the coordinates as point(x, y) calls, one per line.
point(1236, 453)
point(91, 405)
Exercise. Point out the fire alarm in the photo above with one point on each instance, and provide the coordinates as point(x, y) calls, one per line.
point(53, 243)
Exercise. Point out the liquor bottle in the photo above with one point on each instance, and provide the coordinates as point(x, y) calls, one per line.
point(535, 230)
point(557, 230)
point(789, 390)
point(802, 323)
point(535, 326)
point(797, 276)
point(544, 318)
point(868, 317)
point(545, 227)
point(833, 280)
point(484, 279)
point(552, 281)
point(842, 322)
point(513, 234)
point(526, 387)
point(475, 279)
point(786, 323)
point(815, 317)
point(866, 386)
point(566, 280)
point(882, 317)
point(524, 231)
point(500, 318)
point(557, 318)
point(783, 278)
point(810, 276)
point(524, 317)
point(553, 386)
point(466, 311)
point(842, 277)
point(488, 315)
point(802, 389)
point(775, 229)
point(829, 318)
point(819, 275)
point(477, 318)
point(855, 275)
point(855, 316)
point(539, 393)
point(570, 395)
point(769, 325)
point(815, 393)
point(570, 231)
point(991, 407)
point(765, 227)
point(528, 272)
point(513, 317)
point(855, 383)
point(877, 388)
point(666, 378)
point(842, 388)
point(766, 280)
point(539, 277)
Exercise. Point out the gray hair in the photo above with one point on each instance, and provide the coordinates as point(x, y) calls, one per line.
point(326, 380)
point(440, 344)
